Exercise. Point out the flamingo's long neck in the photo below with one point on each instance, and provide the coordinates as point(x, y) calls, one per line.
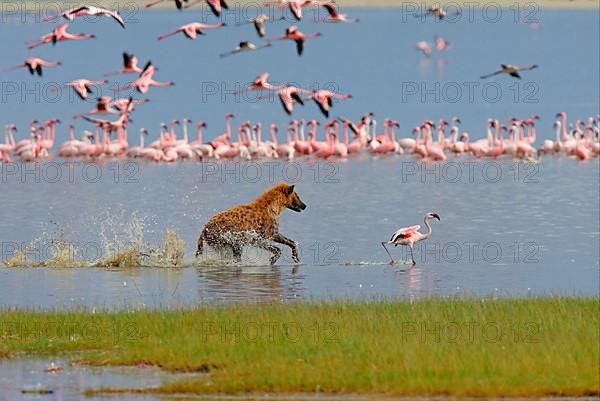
point(199, 134)
point(185, 132)
point(564, 126)
point(227, 126)
point(558, 129)
point(141, 139)
point(346, 133)
point(274, 138)
point(429, 229)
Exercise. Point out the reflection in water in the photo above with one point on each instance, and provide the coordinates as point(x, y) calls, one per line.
point(254, 284)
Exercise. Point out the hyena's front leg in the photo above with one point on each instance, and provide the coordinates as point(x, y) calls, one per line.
point(273, 249)
point(286, 241)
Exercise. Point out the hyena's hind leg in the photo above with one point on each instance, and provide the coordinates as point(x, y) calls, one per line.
point(237, 252)
point(200, 246)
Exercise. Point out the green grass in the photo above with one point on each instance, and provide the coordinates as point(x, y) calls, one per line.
point(460, 347)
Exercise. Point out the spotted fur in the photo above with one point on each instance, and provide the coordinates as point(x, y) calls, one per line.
point(255, 223)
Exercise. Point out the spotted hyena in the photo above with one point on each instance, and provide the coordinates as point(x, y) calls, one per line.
point(255, 223)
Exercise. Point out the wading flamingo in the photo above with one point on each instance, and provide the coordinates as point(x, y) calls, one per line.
point(408, 236)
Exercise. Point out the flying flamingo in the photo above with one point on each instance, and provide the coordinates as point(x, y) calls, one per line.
point(59, 34)
point(145, 81)
point(178, 3)
point(259, 23)
point(289, 96)
point(511, 70)
point(324, 99)
point(408, 236)
point(216, 6)
point(295, 6)
point(244, 47)
point(83, 87)
point(34, 65)
point(89, 11)
point(130, 66)
point(191, 30)
point(292, 33)
point(334, 16)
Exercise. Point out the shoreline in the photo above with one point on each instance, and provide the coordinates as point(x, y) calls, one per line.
point(457, 347)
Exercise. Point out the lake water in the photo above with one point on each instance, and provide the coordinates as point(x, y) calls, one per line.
point(507, 228)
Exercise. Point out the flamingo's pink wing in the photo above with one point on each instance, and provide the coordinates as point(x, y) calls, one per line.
point(402, 232)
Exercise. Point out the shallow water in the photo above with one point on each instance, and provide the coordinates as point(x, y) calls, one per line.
point(69, 382)
point(507, 228)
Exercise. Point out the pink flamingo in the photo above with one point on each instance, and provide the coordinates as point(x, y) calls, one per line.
point(334, 16)
point(138, 151)
point(191, 30)
point(34, 65)
point(424, 47)
point(324, 99)
point(497, 150)
point(224, 138)
point(327, 151)
point(83, 87)
point(300, 144)
point(216, 6)
point(205, 150)
point(89, 11)
point(130, 66)
point(441, 44)
point(292, 33)
point(59, 34)
point(408, 236)
point(283, 150)
point(145, 80)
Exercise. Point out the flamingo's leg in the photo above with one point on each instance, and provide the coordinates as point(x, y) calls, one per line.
point(388, 252)
point(412, 256)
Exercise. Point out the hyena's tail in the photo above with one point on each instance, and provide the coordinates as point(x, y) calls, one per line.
point(200, 247)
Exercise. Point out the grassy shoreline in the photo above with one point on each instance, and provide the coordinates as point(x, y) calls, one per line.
point(454, 347)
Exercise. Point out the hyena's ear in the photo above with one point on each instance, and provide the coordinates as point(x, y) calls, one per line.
point(290, 189)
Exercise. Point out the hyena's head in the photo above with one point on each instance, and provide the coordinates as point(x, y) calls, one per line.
point(292, 200)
